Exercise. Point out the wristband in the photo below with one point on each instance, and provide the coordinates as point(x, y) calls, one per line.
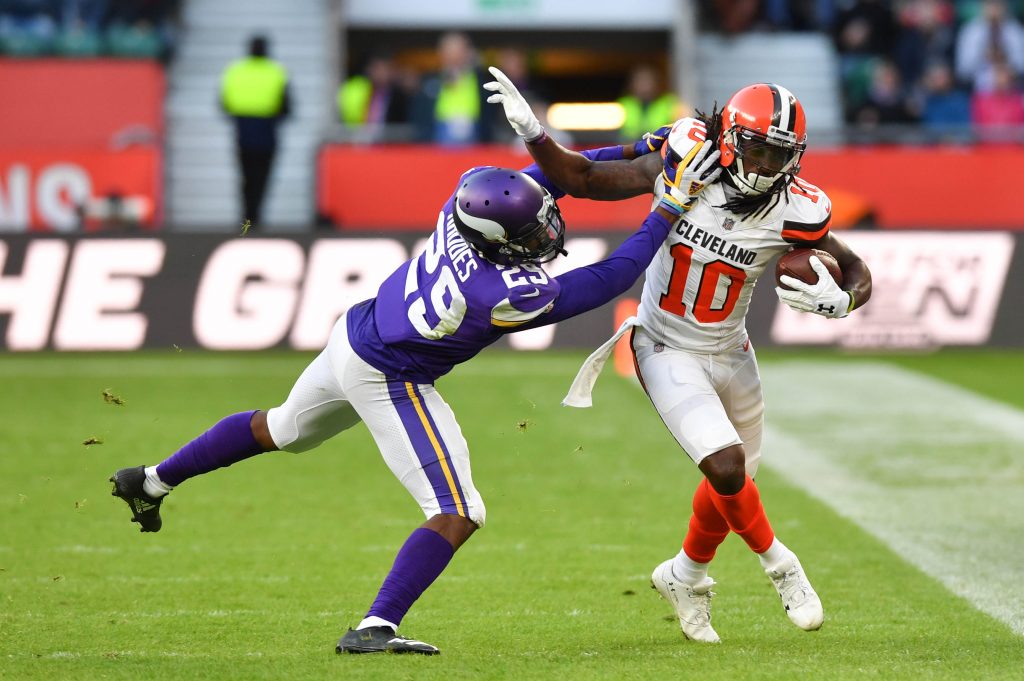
point(539, 139)
point(852, 302)
point(673, 206)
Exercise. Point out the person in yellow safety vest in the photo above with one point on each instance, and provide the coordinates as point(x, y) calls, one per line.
point(646, 106)
point(254, 92)
point(374, 99)
point(452, 106)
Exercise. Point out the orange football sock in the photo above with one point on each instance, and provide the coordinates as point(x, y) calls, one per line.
point(745, 515)
point(708, 528)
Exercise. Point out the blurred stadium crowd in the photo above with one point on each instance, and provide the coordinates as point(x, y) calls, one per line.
point(942, 65)
point(939, 63)
point(88, 28)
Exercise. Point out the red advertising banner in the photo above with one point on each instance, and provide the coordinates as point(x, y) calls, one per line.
point(63, 103)
point(402, 187)
point(63, 191)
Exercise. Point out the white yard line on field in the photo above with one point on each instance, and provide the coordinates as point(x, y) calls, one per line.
point(933, 470)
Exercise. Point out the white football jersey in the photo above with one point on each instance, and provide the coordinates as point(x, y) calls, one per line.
point(698, 286)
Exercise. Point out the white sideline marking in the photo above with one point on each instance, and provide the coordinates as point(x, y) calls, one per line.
point(933, 470)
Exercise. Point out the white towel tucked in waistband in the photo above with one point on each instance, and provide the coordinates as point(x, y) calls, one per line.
point(579, 394)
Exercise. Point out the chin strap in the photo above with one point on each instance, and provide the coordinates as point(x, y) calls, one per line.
point(749, 205)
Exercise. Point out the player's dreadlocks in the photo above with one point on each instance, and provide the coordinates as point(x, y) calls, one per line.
point(746, 207)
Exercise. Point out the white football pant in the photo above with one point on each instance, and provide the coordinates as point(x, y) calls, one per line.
point(708, 402)
point(411, 423)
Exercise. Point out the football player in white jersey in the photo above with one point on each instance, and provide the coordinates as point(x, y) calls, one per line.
point(689, 340)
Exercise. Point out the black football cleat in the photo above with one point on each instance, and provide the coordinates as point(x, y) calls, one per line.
point(381, 640)
point(145, 509)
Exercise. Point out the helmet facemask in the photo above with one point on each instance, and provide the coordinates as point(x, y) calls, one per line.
point(762, 163)
point(541, 242)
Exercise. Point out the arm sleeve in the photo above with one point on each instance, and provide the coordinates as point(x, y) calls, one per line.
point(601, 154)
point(589, 287)
point(524, 304)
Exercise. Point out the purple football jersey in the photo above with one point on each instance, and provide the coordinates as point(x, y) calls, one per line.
point(449, 303)
point(445, 305)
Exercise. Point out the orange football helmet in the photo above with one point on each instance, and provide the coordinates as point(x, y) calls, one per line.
point(764, 134)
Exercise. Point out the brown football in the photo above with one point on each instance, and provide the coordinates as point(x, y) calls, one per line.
point(797, 264)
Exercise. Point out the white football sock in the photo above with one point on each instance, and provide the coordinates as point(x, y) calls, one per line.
point(687, 570)
point(776, 556)
point(375, 621)
point(153, 485)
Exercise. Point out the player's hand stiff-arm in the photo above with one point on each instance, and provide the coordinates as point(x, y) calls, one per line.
point(589, 287)
point(629, 170)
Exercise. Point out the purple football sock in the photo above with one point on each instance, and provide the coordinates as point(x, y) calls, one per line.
point(229, 440)
point(421, 559)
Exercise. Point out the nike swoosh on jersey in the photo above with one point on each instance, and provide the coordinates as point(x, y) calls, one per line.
point(536, 292)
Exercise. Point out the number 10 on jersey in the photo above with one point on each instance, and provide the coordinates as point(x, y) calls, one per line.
point(710, 274)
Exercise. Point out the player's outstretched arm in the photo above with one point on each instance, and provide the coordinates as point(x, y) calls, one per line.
point(581, 177)
point(632, 174)
point(586, 288)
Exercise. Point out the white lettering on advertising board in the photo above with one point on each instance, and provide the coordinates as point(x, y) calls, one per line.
point(341, 273)
point(247, 294)
point(104, 286)
point(928, 289)
point(60, 190)
point(30, 297)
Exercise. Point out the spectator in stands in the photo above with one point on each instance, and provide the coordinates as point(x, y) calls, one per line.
point(373, 100)
point(81, 28)
point(731, 16)
point(254, 92)
point(886, 101)
point(926, 37)
point(991, 39)
point(944, 108)
point(140, 28)
point(1001, 109)
point(27, 27)
point(451, 108)
point(864, 32)
point(647, 104)
point(800, 15)
point(91, 14)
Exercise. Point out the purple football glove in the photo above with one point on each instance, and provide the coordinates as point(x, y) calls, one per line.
point(651, 141)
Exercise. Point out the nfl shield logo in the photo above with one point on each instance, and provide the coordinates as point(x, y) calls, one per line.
point(728, 223)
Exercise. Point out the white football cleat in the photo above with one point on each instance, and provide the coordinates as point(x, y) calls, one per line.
point(798, 596)
point(691, 603)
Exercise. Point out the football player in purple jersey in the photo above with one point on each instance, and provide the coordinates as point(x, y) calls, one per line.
point(479, 277)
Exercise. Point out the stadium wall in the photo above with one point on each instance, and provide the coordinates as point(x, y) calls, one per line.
point(892, 187)
point(85, 293)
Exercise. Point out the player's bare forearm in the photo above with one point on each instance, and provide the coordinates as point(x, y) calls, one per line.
point(856, 275)
point(578, 176)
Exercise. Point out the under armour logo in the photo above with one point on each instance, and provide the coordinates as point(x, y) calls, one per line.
point(831, 309)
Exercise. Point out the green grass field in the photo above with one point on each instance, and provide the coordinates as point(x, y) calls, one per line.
point(259, 568)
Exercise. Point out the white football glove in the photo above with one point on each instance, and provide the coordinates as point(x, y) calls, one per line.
point(824, 297)
point(517, 111)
